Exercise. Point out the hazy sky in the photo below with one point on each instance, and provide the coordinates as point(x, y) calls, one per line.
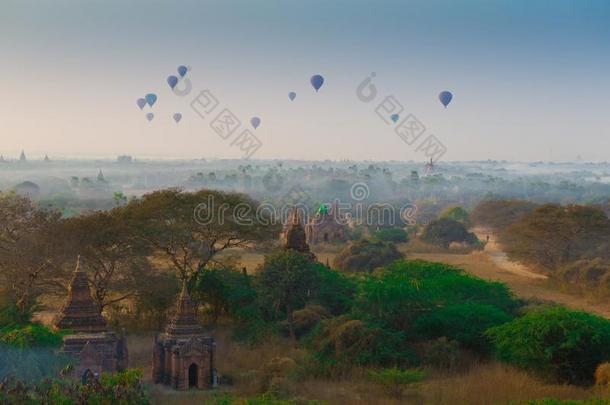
point(531, 79)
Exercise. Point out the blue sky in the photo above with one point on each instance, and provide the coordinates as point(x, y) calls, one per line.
point(530, 78)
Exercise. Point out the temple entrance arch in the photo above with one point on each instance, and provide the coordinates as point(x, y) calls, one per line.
point(193, 375)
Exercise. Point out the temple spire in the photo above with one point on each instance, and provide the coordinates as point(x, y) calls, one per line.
point(184, 324)
point(295, 233)
point(80, 313)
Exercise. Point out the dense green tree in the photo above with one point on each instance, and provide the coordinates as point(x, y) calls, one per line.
point(287, 280)
point(556, 342)
point(445, 231)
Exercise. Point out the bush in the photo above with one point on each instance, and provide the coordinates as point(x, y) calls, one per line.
point(458, 214)
point(124, 388)
point(396, 380)
point(465, 323)
point(396, 235)
point(342, 342)
point(365, 256)
point(33, 335)
point(565, 345)
point(445, 231)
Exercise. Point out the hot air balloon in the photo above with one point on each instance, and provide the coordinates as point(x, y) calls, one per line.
point(151, 99)
point(317, 81)
point(292, 95)
point(255, 121)
point(141, 103)
point(150, 116)
point(172, 81)
point(177, 117)
point(182, 70)
point(445, 97)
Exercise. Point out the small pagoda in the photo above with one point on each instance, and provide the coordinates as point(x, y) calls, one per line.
point(183, 356)
point(91, 344)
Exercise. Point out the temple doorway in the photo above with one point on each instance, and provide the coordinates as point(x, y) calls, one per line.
point(193, 376)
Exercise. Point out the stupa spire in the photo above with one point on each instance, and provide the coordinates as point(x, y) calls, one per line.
point(295, 233)
point(184, 324)
point(80, 313)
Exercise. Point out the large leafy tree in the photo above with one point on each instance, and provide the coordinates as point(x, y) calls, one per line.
point(109, 252)
point(553, 235)
point(30, 263)
point(191, 228)
point(287, 280)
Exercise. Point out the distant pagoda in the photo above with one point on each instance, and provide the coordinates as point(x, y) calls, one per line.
point(294, 233)
point(22, 157)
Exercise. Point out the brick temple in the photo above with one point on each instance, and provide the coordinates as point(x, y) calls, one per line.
point(183, 356)
point(95, 348)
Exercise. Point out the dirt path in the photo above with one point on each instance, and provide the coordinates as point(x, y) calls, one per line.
point(497, 255)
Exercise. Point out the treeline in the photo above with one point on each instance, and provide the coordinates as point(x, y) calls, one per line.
point(38, 248)
point(570, 244)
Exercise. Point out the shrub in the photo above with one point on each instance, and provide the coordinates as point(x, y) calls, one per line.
point(122, 388)
point(457, 214)
point(396, 380)
point(396, 235)
point(445, 231)
point(602, 374)
point(465, 323)
point(565, 345)
point(342, 342)
point(33, 335)
point(366, 255)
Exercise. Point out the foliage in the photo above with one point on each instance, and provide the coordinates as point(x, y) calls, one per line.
point(407, 290)
point(285, 281)
point(552, 236)
point(123, 388)
point(33, 335)
point(109, 253)
point(458, 214)
point(396, 380)
point(366, 255)
point(396, 235)
point(341, 342)
point(191, 228)
point(464, 322)
point(334, 290)
point(499, 214)
point(154, 294)
point(444, 231)
point(264, 399)
point(29, 261)
point(558, 343)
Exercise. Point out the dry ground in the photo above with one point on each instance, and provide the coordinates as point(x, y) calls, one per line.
point(487, 383)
